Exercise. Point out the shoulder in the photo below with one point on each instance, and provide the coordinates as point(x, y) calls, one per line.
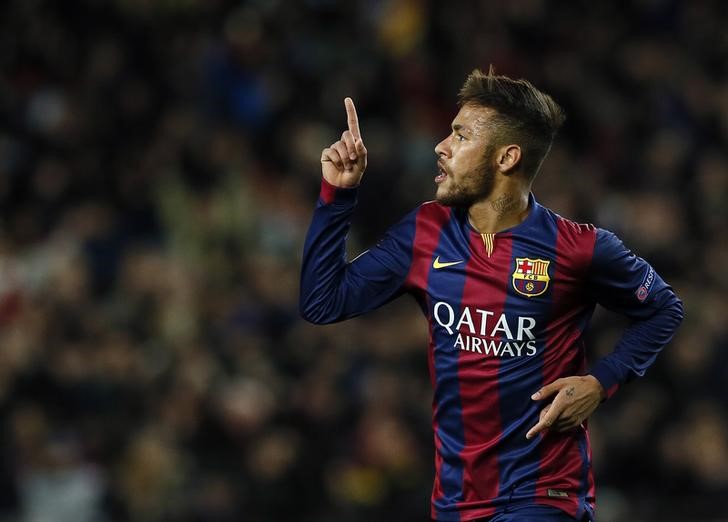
point(431, 213)
point(433, 210)
point(577, 229)
point(426, 218)
point(570, 231)
point(573, 242)
point(571, 228)
point(609, 246)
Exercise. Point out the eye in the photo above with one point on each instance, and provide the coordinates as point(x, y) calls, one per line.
point(460, 137)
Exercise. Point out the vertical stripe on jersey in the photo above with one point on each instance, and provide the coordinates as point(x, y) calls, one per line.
point(520, 377)
point(565, 458)
point(585, 464)
point(478, 371)
point(448, 471)
point(448, 405)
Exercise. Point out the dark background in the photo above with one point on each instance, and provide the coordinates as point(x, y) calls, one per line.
point(159, 162)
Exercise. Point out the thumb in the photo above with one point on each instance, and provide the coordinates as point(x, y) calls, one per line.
point(547, 391)
point(359, 146)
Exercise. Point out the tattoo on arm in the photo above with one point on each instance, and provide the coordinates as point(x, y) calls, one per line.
point(570, 392)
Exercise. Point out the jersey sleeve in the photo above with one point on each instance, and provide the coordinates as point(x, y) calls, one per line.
point(627, 284)
point(334, 289)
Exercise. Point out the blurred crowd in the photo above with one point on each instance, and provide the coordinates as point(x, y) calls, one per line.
point(159, 163)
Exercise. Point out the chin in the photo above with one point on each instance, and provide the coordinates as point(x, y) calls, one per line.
point(449, 199)
point(443, 196)
point(440, 195)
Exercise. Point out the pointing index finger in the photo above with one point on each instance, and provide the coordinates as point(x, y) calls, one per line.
point(553, 413)
point(352, 118)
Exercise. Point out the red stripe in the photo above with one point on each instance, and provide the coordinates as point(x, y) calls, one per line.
point(612, 390)
point(478, 373)
point(328, 192)
point(428, 225)
point(562, 465)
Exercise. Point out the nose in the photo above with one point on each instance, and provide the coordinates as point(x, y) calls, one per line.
point(443, 148)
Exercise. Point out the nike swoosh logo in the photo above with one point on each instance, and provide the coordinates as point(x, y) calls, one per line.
point(436, 264)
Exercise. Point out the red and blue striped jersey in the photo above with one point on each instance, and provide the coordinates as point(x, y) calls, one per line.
point(507, 314)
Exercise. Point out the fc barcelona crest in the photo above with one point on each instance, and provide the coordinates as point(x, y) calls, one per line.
point(531, 276)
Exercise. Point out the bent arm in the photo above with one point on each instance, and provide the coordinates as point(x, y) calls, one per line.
point(627, 284)
point(333, 289)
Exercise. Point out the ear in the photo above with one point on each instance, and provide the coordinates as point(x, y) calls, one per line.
point(508, 159)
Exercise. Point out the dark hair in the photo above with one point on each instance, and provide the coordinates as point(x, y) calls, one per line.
point(524, 115)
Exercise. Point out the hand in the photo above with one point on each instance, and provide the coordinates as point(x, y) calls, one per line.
point(344, 162)
point(576, 399)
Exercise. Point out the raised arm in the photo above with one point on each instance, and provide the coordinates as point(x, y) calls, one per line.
point(333, 289)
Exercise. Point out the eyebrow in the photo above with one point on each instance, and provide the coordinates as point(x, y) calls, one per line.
point(457, 127)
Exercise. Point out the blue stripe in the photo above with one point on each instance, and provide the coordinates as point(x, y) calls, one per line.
point(519, 377)
point(584, 489)
point(447, 285)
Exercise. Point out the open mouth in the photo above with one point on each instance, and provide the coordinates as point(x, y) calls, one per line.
point(442, 174)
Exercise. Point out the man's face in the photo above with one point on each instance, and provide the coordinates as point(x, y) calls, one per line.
point(466, 160)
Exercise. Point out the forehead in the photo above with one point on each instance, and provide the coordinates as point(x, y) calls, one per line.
point(474, 118)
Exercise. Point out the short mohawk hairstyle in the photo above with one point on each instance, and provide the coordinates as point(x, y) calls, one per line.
point(525, 115)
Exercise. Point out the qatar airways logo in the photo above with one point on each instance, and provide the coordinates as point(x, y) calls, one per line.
point(480, 331)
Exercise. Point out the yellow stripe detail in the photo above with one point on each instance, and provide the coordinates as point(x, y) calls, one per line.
point(489, 242)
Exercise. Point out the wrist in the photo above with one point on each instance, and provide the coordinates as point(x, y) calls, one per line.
point(332, 193)
point(594, 382)
point(341, 182)
point(603, 372)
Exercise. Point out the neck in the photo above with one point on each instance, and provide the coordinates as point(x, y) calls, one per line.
point(499, 211)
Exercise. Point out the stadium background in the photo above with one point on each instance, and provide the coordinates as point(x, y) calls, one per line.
point(158, 168)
